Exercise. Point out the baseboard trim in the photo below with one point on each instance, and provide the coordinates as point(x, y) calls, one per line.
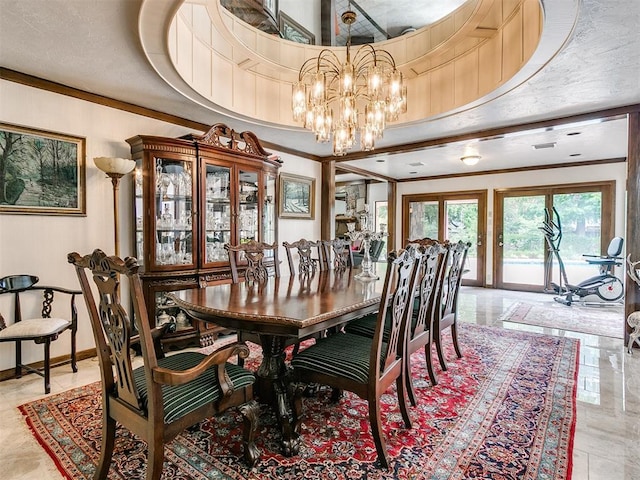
point(55, 362)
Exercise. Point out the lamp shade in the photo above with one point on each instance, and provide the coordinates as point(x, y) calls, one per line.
point(118, 166)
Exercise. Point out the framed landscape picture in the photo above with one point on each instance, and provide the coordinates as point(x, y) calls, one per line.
point(297, 196)
point(292, 30)
point(41, 172)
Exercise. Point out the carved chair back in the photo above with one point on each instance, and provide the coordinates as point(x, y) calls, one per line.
point(309, 256)
point(337, 253)
point(257, 258)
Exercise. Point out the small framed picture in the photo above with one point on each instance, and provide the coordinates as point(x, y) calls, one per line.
point(43, 173)
point(297, 196)
point(271, 7)
point(292, 30)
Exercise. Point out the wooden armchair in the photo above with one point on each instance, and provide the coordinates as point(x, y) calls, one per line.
point(164, 396)
point(363, 365)
point(307, 263)
point(42, 330)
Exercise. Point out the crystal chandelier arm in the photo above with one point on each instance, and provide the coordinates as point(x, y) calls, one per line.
point(326, 61)
point(368, 54)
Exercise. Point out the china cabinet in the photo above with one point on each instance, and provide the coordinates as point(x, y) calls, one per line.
point(192, 195)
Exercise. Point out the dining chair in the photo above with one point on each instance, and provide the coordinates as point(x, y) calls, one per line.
point(448, 314)
point(258, 267)
point(165, 395)
point(307, 262)
point(426, 305)
point(362, 365)
point(255, 261)
point(337, 253)
point(42, 329)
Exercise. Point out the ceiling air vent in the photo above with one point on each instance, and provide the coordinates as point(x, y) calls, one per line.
point(540, 146)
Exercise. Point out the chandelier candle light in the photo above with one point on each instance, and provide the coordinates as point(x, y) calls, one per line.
point(369, 80)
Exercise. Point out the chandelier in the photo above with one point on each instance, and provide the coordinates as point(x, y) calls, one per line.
point(366, 92)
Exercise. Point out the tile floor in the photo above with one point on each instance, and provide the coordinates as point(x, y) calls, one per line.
point(608, 401)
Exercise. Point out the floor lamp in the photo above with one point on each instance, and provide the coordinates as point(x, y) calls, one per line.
point(115, 168)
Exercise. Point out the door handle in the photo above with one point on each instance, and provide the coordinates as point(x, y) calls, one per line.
point(500, 244)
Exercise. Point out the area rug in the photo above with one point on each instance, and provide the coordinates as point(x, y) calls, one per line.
point(506, 411)
point(606, 321)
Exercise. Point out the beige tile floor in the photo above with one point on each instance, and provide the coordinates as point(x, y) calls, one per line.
point(608, 401)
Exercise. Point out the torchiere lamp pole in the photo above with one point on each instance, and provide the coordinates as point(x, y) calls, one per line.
point(115, 168)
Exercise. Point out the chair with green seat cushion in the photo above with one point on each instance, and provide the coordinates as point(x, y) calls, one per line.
point(426, 305)
point(43, 329)
point(165, 395)
point(366, 366)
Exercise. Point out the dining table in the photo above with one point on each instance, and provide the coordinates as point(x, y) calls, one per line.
point(278, 310)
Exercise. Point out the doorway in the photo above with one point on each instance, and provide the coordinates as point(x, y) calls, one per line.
point(450, 216)
point(523, 260)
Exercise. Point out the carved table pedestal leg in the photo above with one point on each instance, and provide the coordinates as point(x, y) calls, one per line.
point(272, 385)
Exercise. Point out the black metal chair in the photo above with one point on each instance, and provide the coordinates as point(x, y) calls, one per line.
point(41, 330)
point(363, 365)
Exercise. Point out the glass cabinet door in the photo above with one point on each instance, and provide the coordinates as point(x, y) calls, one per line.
point(139, 213)
point(248, 207)
point(174, 212)
point(269, 209)
point(217, 213)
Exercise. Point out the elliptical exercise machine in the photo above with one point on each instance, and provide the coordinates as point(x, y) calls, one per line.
point(603, 288)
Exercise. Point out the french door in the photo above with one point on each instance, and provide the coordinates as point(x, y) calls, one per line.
point(523, 260)
point(450, 216)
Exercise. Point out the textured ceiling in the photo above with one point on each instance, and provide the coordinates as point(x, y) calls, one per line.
point(94, 45)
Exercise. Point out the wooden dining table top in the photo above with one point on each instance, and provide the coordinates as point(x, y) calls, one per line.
point(288, 305)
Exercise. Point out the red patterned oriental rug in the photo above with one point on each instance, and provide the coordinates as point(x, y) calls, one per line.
point(505, 411)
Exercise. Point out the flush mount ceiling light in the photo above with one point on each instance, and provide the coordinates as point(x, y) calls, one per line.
point(470, 159)
point(369, 84)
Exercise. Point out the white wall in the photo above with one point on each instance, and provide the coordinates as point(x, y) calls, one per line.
point(306, 13)
point(39, 245)
point(559, 176)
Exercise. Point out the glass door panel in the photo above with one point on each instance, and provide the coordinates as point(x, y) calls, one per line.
point(581, 233)
point(218, 213)
point(521, 242)
point(248, 222)
point(453, 216)
point(269, 210)
point(138, 206)
point(423, 220)
point(174, 212)
point(461, 221)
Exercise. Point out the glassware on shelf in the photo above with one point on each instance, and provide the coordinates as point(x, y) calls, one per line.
point(166, 218)
point(138, 182)
point(165, 252)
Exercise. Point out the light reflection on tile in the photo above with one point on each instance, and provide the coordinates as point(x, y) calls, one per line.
point(608, 398)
